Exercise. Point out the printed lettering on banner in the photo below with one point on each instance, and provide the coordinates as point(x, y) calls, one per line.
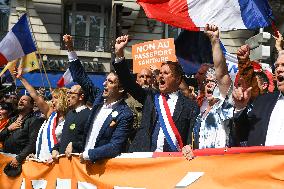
point(153, 53)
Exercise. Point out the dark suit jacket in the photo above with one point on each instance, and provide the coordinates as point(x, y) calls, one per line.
point(255, 122)
point(184, 116)
point(112, 138)
point(21, 141)
point(75, 133)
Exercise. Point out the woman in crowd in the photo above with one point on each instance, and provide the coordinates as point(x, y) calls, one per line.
point(50, 131)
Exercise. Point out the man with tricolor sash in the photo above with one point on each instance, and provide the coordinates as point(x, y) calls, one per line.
point(168, 116)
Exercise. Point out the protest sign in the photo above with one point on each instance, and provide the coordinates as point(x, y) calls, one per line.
point(152, 53)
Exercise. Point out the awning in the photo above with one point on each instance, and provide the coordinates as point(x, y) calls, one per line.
point(36, 79)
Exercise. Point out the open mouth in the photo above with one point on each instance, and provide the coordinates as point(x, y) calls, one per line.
point(162, 82)
point(105, 90)
point(209, 91)
point(280, 78)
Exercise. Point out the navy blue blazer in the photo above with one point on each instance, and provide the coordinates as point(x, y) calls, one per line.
point(185, 113)
point(112, 138)
point(254, 123)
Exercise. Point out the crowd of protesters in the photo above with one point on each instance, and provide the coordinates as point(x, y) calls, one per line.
point(155, 111)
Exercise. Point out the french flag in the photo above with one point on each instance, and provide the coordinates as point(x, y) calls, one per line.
point(17, 43)
point(193, 15)
point(194, 48)
point(65, 79)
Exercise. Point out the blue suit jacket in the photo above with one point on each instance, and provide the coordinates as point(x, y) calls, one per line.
point(112, 138)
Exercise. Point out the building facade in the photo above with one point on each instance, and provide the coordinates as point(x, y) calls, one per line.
point(94, 24)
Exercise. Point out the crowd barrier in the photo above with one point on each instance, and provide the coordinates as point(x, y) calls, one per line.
point(251, 167)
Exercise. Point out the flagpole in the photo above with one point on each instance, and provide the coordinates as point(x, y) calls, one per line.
point(39, 52)
point(41, 72)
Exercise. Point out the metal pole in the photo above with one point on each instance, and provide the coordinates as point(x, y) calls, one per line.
point(39, 54)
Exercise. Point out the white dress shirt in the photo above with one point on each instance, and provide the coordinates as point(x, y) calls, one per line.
point(96, 127)
point(80, 108)
point(173, 97)
point(275, 131)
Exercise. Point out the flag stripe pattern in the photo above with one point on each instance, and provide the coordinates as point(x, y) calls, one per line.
point(17, 43)
point(195, 14)
point(65, 79)
point(22, 31)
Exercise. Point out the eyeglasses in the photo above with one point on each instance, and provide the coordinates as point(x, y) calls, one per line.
point(210, 81)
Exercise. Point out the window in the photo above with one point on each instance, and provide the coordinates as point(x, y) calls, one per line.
point(87, 23)
point(4, 17)
point(171, 32)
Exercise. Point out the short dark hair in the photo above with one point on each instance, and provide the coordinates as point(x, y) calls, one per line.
point(263, 77)
point(124, 94)
point(175, 67)
point(7, 106)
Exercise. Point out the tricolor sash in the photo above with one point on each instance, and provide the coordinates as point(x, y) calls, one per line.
point(167, 123)
point(46, 138)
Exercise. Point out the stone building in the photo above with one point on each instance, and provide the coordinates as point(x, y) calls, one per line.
point(94, 24)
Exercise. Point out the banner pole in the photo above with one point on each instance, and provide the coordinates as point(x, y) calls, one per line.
point(41, 73)
point(39, 53)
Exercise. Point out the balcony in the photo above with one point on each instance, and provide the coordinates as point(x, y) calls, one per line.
point(90, 44)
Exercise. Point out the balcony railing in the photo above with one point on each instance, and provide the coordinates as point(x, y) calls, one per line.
point(92, 44)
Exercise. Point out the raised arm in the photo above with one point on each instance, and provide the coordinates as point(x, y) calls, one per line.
point(279, 42)
point(221, 69)
point(123, 72)
point(78, 72)
point(41, 103)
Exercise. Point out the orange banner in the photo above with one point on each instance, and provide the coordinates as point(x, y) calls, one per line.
point(152, 53)
point(245, 170)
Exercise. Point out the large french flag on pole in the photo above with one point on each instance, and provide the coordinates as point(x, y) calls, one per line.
point(195, 14)
point(17, 43)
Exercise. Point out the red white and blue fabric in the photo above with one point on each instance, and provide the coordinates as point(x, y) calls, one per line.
point(66, 79)
point(195, 14)
point(167, 123)
point(17, 43)
point(46, 138)
point(232, 62)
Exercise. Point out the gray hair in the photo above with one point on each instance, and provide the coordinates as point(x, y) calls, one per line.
point(211, 73)
point(280, 53)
